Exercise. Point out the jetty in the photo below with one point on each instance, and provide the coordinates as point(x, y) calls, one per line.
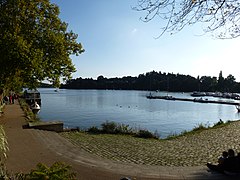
point(198, 100)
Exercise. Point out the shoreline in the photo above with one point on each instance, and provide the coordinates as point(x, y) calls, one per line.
point(190, 149)
point(132, 108)
point(29, 147)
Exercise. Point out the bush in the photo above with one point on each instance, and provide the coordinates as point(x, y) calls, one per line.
point(109, 127)
point(200, 127)
point(219, 123)
point(94, 130)
point(145, 134)
point(115, 128)
point(124, 129)
point(57, 171)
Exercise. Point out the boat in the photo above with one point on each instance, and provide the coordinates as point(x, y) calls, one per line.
point(35, 107)
point(56, 90)
point(32, 96)
point(198, 94)
point(238, 107)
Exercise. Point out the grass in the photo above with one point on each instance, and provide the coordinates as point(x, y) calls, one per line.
point(116, 128)
point(199, 128)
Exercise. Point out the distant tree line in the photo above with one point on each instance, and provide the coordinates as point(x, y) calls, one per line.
point(158, 81)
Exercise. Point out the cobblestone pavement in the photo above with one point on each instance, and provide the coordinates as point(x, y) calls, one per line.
point(180, 158)
point(191, 150)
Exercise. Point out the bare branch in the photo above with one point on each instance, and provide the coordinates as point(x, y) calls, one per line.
point(220, 17)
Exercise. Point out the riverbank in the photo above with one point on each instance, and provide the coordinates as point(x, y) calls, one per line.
point(86, 108)
point(29, 147)
point(195, 149)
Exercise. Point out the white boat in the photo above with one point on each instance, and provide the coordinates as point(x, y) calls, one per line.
point(198, 94)
point(32, 96)
point(35, 107)
point(238, 107)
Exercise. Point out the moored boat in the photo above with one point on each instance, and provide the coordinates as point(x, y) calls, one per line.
point(35, 107)
point(238, 107)
point(198, 94)
point(32, 96)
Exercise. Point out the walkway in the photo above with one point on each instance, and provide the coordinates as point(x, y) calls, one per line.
point(29, 147)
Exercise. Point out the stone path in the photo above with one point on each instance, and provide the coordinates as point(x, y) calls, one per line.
point(29, 147)
point(193, 150)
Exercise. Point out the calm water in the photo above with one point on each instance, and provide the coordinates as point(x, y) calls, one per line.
point(86, 108)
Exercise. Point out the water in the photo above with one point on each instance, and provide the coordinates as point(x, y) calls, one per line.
point(86, 108)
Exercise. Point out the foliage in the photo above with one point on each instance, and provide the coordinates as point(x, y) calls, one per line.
point(109, 127)
point(221, 123)
point(221, 17)
point(115, 128)
point(94, 130)
point(199, 128)
point(124, 129)
point(3, 151)
point(145, 134)
point(159, 81)
point(35, 44)
point(28, 112)
point(57, 171)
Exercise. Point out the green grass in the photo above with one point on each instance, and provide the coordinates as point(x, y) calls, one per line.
point(110, 127)
point(199, 128)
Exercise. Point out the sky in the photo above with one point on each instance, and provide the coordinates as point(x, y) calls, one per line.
point(117, 43)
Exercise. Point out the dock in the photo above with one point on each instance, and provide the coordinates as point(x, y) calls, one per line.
point(198, 100)
point(56, 126)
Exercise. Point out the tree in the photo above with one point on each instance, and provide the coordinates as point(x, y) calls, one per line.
point(208, 84)
point(230, 82)
point(220, 84)
point(221, 16)
point(34, 43)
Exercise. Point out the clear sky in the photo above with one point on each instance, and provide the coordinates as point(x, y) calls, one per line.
point(117, 43)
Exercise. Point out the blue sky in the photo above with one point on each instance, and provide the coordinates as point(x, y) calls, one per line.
point(118, 44)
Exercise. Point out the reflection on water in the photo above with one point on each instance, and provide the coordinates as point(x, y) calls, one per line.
point(85, 108)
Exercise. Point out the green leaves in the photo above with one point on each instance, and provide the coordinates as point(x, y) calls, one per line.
point(57, 171)
point(34, 43)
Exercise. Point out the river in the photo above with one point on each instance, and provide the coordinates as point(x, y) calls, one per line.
point(86, 108)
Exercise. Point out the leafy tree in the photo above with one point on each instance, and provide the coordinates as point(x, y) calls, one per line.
point(34, 43)
point(208, 84)
point(230, 82)
point(221, 16)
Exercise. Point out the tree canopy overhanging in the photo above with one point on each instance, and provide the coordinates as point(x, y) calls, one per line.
point(222, 17)
point(35, 44)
